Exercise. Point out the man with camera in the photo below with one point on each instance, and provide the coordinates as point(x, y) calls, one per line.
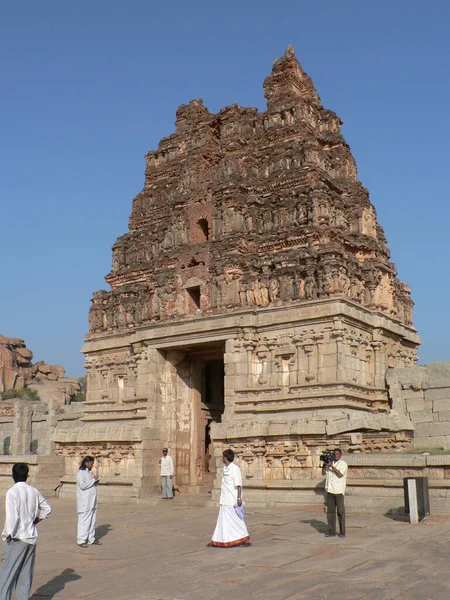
point(335, 470)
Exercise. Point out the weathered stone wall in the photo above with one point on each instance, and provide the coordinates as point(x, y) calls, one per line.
point(250, 209)
point(28, 427)
point(423, 393)
point(45, 473)
point(254, 241)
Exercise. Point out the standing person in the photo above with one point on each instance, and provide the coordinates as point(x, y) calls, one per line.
point(87, 484)
point(167, 472)
point(230, 528)
point(336, 480)
point(25, 507)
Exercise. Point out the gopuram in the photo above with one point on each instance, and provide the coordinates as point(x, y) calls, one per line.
point(253, 305)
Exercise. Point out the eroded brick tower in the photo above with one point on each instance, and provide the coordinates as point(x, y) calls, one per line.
point(252, 302)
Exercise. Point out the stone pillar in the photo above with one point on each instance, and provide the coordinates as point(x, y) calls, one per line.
point(250, 347)
point(21, 438)
point(174, 358)
point(338, 335)
point(378, 362)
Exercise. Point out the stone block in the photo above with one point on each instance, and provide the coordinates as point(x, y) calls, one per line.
point(438, 394)
point(439, 405)
point(411, 394)
point(431, 429)
point(415, 404)
point(424, 443)
point(438, 371)
point(422, 416)
point(444, 415)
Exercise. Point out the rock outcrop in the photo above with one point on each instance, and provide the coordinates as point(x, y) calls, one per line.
point(18, 371)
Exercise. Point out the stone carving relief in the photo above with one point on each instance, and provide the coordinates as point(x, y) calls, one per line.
point(114, 451)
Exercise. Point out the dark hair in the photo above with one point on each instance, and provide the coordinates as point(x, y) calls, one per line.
point(229, 455)
point(85, 460)
point(20, 472)
point(338, 450)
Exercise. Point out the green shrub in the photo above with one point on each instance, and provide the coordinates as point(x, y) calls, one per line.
point(25, 393)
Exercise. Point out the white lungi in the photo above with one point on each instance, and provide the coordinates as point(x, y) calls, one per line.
point(230, 529)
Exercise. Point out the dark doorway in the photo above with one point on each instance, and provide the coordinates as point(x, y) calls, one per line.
point(212, 407)
point(198, 387)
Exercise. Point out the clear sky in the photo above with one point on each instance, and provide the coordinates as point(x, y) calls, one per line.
point(87, 88)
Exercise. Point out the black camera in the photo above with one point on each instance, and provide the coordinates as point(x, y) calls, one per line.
point(328, 457)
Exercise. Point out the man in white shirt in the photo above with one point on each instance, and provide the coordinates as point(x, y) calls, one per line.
point(336, 480)
point(230, 528)
point(25, 507)
point(167, 472)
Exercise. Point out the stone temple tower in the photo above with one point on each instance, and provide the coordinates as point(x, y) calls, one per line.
point(253, 303)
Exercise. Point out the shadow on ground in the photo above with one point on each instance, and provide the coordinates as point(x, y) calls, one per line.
point(102, 531)
point(397, 514)
point(55, 585)
point(320, 526)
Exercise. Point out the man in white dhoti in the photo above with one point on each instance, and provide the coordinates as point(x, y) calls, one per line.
point(86, 503)
point(230, 528)
point(25, 507)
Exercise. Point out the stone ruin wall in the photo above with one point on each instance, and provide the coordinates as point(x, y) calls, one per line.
point(423, 393)
point(246, 213)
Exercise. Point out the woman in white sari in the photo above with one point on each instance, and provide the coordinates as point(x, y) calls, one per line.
point(230, 528)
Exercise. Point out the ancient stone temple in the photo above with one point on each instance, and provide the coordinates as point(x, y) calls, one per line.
point(253, 304)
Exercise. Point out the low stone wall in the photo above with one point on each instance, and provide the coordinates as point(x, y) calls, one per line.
point(45, 472)
point(374, 484)
point(28, 428)
point(423, 393)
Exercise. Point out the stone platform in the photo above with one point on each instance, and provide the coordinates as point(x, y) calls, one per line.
point(158, 552)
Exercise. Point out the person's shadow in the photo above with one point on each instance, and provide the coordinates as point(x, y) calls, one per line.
point(320, 526)
point(55, 585)
point(102, 531)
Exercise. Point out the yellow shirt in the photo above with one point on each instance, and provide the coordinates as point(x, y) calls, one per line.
point(333, 483)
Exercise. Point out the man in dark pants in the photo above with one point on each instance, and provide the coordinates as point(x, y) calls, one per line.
point(336, 479)
point(25, 507)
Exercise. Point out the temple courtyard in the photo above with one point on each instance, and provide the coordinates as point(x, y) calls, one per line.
point(158, 552)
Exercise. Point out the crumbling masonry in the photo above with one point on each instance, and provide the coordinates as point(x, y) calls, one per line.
point(253, 304)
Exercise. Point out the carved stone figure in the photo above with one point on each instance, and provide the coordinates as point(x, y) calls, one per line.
point(273, 290)
point(310, 287)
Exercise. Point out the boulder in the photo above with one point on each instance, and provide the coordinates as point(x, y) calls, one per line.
point(18, 371)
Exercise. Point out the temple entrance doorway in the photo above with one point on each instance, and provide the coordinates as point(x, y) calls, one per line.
point(199, 402)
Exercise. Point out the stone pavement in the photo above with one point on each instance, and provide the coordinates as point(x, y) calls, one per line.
point(152, 552)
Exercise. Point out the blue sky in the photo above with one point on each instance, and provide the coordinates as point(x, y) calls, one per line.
point(88, 88)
